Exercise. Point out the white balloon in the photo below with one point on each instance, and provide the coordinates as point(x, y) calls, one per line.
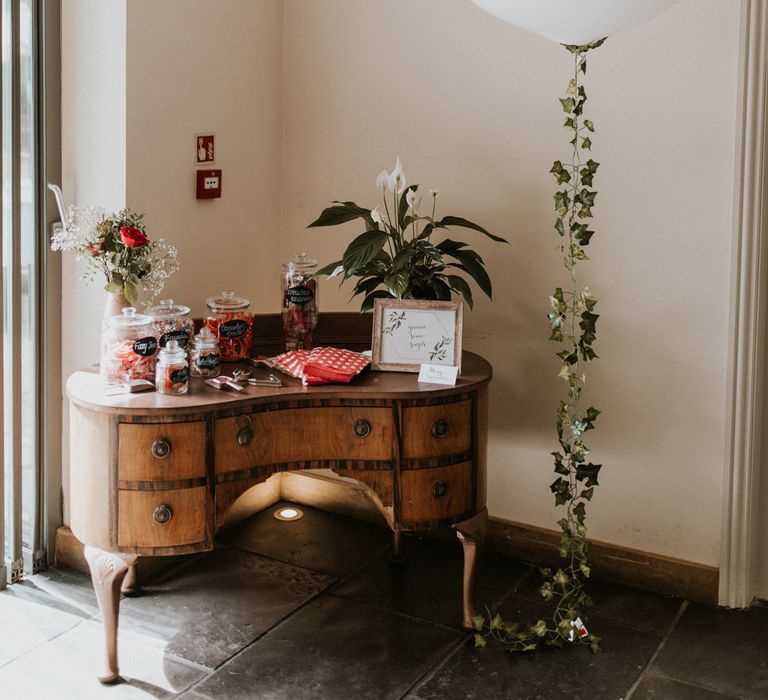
point(575, 21)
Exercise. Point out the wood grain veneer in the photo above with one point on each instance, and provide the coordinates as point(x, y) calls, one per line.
point(420, 500)
point(419, 421)
point(186, 459)
point(138, 528)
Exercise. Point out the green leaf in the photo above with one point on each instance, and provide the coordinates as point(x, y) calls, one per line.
point(113, 287)
point(340, 213)
point(367, 285)
point(589, 124)
point(561, 174)
point(478, 622)
point(367, 304)
point(587, 143)
point(328, 269)
point(496, 622)
point(131, 294)
point(458, 221)
point(479, 640)
point(459, 284)
point(441, 289)
point(567, 104)
point(472, 264)
point(562, 201)
point(569, 123)
point(588, 473)
point(363, 249)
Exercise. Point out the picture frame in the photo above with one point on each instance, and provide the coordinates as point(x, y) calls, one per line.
point(407, 334)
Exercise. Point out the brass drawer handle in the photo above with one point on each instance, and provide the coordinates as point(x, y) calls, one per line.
point(161, 448)
point(440, 489)
point(163, 514)
point(362, 429)
point(440, 428)
point(244, 434)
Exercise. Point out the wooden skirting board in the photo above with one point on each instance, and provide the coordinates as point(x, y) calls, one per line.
point(323, 490)
point(653, 572)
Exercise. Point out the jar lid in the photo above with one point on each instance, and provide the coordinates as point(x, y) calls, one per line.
point(206, 337)
point(173, 352)
point(129, 319)
point(300, 263)
point(167, 309)
point(227, 301)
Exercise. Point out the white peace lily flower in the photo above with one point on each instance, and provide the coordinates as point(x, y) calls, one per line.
point(382, 181)
point(397, 181)
point(376, 215)
point(411, 199)
point(434, 193)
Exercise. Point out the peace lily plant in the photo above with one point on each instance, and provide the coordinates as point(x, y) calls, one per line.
point(397, 255)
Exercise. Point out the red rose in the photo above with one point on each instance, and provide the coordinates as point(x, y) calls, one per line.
point(96, 248)
point(132, 237)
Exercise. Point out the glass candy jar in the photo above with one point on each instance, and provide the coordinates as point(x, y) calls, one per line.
point(128, 348)
point(205, 356)
point(232, 323)
point(172, 322)
point(299, 287)
point(172, 372)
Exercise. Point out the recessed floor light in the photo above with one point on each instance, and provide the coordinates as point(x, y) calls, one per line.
point(288, 513)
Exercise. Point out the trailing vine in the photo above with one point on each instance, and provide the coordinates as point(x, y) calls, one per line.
point(572, 323)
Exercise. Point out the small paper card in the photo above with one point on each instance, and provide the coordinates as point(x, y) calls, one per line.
point(438, 374)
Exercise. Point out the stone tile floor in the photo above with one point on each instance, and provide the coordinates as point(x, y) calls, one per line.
point(313, 609)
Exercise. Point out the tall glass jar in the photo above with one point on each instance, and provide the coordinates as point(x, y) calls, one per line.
point(172, 322)
point(128, 348)
point(172, 372)
point(205, 355)
point(299, 287)
point(232, 323)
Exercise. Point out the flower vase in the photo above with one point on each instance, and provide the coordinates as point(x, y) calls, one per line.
point(115, 304)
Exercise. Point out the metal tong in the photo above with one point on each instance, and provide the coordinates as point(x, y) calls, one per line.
point(239, 376)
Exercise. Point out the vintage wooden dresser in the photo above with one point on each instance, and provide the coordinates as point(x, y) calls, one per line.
point(156, 475)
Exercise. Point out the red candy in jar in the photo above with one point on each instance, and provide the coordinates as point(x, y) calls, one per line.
point(128, 348)
point(232, 323)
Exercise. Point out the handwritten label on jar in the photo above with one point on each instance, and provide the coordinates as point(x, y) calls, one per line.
point(180, 336)
point(233, 329)
point(179, 376)
point(211, 361)
point(145, 346)
point(299, 295)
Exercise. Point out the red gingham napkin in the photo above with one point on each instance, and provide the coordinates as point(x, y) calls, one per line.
point(321, 365)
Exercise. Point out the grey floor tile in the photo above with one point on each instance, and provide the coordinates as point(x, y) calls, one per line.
point(28, 618)
point(72, 589)
point(320, 541)
point(333, 649)
point(429, 584)
point(67, 668)
point(573, 672)
point(725, 650)
point(208, 609)
point(640, 610)
point(660, 688)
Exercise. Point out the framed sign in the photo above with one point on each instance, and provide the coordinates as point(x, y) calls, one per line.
point(407, 334)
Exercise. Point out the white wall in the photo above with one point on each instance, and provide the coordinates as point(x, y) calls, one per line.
point(313, 112)
point(470, 105)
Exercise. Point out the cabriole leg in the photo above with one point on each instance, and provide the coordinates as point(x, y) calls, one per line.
point(108, 569)
point(471, 533)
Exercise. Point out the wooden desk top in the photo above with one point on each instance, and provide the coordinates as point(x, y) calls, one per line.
point(85, 389)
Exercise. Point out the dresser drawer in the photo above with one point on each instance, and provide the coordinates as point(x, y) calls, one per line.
point(160, 452)
point(432, 431)
point(434, 494)
point(303, 435)
point(168, 518)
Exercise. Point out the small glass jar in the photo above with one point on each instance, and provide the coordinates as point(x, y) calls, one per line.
point(299, 287)
point(172, 372)
point(128, 348)
point(172, 322)
point(205, 355)
point(232, 323)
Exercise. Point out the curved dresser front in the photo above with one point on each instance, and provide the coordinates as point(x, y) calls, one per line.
point(156, 475)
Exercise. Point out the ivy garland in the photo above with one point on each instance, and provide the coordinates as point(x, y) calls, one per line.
point(572, 322)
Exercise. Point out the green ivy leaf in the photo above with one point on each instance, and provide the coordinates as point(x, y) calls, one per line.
point(589, 124)
point(479, 641)
point(586, 143)
point(568, 104)
point(478, 622)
